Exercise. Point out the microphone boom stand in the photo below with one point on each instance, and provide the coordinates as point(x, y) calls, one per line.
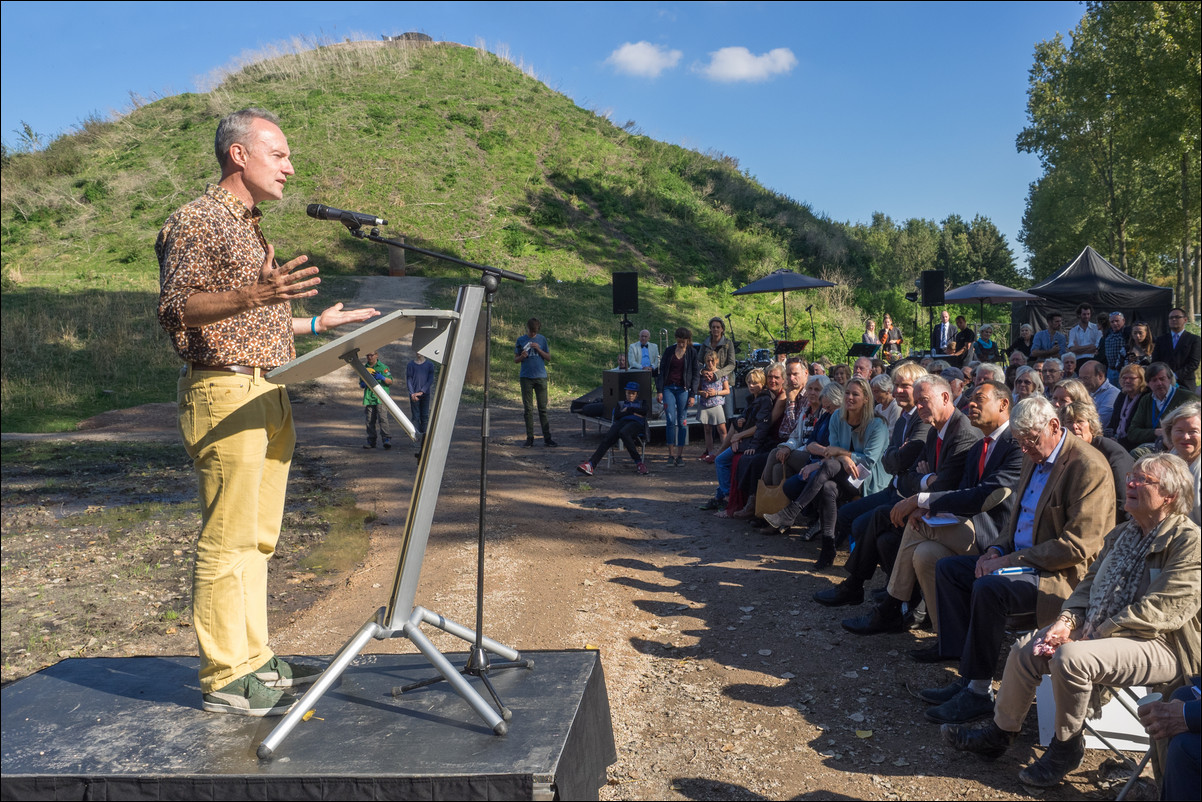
point(478, 664)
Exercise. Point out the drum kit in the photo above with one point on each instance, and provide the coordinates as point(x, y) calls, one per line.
point(763, 357)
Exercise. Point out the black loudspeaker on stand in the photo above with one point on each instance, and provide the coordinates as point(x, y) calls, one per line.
point(626, 301)
point(932, 288)
point(626, 293)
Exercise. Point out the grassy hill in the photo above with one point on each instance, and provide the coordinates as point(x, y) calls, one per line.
point(462, 152)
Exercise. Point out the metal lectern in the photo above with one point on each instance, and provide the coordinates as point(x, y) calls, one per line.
point(445, 337)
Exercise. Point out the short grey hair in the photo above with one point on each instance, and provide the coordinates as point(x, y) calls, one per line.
point(1036, 379)
point(235, 129)
point(1190, 409)
point(1054, 363)
point(935, 381)
point(833, 394)
point(1082, 412)
point(938, 366)
point(1031, 415)
point(882, 383)
point(821, 379)
point(994, 371)
point(1175, 479)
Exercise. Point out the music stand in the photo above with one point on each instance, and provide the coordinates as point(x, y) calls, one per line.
point(444, 336)
point(863, 349)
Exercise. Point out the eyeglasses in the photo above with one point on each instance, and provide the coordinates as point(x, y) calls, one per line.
point(1030, 441)
point(1141, 479)
point(1176, 317)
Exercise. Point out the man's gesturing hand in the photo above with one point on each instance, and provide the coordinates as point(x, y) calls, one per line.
point(281, 284)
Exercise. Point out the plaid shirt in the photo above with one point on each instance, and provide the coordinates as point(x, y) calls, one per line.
point(214, 244)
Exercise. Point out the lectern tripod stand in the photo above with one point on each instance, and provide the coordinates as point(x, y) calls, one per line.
point(442, 336)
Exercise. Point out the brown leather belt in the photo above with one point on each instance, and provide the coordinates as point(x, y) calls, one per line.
point(243, 369)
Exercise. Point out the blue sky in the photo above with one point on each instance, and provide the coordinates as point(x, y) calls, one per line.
point(910, 109)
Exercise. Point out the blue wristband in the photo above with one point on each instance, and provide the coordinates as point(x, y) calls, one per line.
point(313, 324)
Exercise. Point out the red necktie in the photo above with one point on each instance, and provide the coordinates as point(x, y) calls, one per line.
point(938, 451)
point(984, 456)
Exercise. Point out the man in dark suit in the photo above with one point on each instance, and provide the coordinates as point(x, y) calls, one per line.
point(1064, 508)
point(1179, 349)
point(982, 504)
point(906, 445)
point(942, 464)
point(943, 337)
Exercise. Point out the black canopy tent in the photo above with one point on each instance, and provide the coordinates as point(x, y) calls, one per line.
point(1091, 278)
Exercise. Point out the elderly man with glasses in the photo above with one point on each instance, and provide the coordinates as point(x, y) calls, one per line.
point(1065, 507)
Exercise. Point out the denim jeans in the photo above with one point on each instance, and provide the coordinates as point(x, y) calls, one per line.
point(722, 464)
point(419, 411)
point(676, 406)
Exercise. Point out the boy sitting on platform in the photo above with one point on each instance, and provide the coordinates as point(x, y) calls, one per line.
point(630, 418)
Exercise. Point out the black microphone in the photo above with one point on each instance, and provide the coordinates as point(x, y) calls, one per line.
point(319, 211)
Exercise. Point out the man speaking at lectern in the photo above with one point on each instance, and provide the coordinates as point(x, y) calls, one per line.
point(226, 304)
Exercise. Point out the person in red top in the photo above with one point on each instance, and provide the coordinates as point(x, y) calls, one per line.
point(225, 303)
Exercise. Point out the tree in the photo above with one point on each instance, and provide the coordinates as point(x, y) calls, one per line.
point(1114, 120)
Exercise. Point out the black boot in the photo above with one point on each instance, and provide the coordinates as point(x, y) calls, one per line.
point(987, 740)
point(1060, 758)
point(826, 557)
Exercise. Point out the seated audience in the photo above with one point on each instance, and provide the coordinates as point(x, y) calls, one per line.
point(1131, 389)
point(840, 374)
point(1179, 722)
point(1081, 419)
point(907, 444)
point(630, 421)
point(1183, 438)
point(1065, 507)
point(752, 429)
point(1027, 384)
point(1132, 620)
point(791, 456)
point(1069, 363)
point(1024, 343)
point(1051, 372)
point(985, 349)
point(948, 442)
point(1093, 375)
point(850, 464)
point(792, 405)
point(1066, 391)
point(1165, 396)
point(982, 503)
point(885, 405)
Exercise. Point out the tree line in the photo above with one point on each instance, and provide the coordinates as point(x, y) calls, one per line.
point(1114, 119)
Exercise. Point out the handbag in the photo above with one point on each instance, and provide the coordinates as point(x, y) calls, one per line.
point(770, 499)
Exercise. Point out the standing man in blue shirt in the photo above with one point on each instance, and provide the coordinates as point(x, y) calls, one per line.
point(533, 352)
point(1050, 342)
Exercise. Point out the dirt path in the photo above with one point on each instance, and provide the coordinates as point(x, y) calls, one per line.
point(725, 680)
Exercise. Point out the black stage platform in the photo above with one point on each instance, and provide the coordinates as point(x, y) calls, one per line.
point(132, 728)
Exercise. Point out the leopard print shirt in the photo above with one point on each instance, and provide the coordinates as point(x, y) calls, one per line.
point(214, 244)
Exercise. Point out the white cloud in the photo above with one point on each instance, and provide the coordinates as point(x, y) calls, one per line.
point(733, 64)
point(643, 59)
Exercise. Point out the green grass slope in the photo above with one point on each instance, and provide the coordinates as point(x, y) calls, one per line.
point(462, 152)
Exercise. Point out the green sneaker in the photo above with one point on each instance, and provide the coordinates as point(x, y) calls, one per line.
point(276, 673)
point(247, 696)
